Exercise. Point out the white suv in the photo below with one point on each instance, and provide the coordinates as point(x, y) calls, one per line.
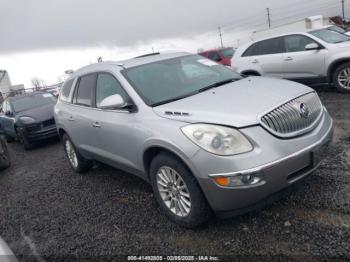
point(318, 56)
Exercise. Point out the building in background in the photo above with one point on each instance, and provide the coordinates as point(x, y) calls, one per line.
point(5, 82)
point(6, 87)
point(303, 25)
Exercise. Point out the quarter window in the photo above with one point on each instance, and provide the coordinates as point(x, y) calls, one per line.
point(85, 90)
point(107, 86)
point(266, 47)
point(65, 92)
point(297, 43)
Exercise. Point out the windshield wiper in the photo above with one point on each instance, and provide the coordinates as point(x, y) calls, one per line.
point(217, 84)
point(221, 83)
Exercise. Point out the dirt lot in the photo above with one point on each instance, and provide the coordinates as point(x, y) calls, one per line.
point(47, 212)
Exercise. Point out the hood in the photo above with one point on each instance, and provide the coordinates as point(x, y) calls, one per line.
point(237, 104)
point(40, 114)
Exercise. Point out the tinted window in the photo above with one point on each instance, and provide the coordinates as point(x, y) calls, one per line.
point(107, 86)
point(214, 56)
point(32, 101)
point(266, 47)
point(297, 43)
point(85, 90)
point(66, 90)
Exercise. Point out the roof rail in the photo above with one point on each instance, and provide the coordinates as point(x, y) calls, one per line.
point(150, 54)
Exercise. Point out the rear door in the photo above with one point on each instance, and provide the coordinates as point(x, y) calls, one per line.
point(266, 57)
point(80, 126)
point(300, 63)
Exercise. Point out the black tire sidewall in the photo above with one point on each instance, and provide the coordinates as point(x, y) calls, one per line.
point(335, 78)
point(83, 164)
point(200, 210)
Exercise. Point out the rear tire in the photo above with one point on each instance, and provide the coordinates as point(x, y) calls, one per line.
point(341, 78)
point(77, 162)
point(181, 194)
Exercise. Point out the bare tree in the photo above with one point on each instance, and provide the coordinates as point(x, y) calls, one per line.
point(37, 83)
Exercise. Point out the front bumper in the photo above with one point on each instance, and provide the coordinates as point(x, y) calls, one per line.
point(40, 134)
point(281, 162)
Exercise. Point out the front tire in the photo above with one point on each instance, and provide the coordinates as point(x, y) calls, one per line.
point(5, 161)
point(177, 192)
point(341, 78)
point(77, 162)
point(27, 145)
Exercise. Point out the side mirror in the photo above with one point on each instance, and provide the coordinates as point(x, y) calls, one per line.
point(112, 102)
point(312, 46)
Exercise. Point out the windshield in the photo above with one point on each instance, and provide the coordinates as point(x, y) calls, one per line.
point(337, 29)
point(33, 101)
point(168, 80)
point(229, 52)
point(330, 36)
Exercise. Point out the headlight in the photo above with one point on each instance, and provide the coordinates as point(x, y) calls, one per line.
point(218, 140)
point(27, 120)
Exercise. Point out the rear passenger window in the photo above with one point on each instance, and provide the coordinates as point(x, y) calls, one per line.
point(65, 91)
point(266, 47)
point(85, 90)
point(107, 86)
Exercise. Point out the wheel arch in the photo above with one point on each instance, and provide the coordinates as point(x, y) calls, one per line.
point(333, 66)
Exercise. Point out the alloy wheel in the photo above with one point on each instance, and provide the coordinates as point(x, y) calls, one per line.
point(344, 78)
point(72, 156)
point(173, 191)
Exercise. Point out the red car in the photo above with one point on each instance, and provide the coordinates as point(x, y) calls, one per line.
point(222, 56)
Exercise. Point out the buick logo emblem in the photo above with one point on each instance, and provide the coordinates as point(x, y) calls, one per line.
point(304, 110)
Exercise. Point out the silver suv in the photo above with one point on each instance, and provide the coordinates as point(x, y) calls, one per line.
point(318, 56)
point(207, 140)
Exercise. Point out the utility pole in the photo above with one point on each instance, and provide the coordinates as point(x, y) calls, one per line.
point(269, 16)
point(220, 34)
point(343, 9)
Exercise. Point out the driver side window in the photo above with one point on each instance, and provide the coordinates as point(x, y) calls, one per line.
point(107, 86)
point(297, 43)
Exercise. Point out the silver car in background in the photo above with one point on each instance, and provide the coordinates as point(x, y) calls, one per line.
point(317, 56)
point(207, 140)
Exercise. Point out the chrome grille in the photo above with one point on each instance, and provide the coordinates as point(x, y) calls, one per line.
point(295, 117)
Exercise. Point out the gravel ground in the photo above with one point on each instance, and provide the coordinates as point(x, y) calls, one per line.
point(49, 213)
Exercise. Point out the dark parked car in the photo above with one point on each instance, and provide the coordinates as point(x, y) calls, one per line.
point(4, 154)
point(28, 118)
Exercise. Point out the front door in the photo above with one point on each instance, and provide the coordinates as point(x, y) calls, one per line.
point(300, 63)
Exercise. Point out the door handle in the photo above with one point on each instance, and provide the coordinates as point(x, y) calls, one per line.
point(288, 58)
point(96, 124)
point(71, 118)
point(255, 61)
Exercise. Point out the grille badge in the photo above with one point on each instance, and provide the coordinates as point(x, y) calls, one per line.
point(304, 110)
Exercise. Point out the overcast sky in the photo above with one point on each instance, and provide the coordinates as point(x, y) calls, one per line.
point(43, 38)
